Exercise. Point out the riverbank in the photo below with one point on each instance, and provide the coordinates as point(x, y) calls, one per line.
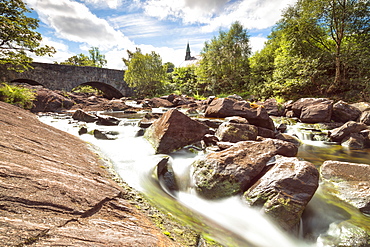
point(56, 190)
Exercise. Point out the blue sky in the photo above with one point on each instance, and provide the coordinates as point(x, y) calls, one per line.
point(163, 26)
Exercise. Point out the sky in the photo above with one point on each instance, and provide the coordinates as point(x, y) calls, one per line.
point(164, 26)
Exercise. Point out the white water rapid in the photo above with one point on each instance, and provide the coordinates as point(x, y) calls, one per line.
point(228, 221)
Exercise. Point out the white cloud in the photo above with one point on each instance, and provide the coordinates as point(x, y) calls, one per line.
point(253, 14)
point(74, 22)
point(257, 43)
point(112, 4)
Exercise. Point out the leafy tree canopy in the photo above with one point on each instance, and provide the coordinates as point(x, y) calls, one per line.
point(224, 66)
point(318, 48)
point(94, 60)
point(18, 38)
point(145, 72)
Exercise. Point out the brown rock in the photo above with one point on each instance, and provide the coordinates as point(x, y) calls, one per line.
point(344, 112)
point(232, 170)
point(354, 141)
point(235, 132)
point(365, 117)
point(225, 107)
point(174, 130)
point(284, 191)
point(54, 192)
point(158, 102)
point(50, 101)
point(80, 115)
point(351, 180)
point(338, 134)
point(317, 113)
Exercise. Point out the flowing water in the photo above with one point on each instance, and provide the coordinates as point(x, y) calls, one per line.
point(228, 221)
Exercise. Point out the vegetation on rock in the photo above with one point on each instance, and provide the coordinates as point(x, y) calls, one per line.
point(17, 95)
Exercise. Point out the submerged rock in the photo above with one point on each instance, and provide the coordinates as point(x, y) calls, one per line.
point(344, 234)
point(232, 170)
point(166, 176)
point(174, 130)
point(225, 107)
point(284, 191)
point(108, 121)
point(351, 182)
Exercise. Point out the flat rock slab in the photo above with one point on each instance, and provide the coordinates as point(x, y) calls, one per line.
point(54, 192)
point(352, 182)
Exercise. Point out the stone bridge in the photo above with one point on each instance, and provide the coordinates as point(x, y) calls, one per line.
point(67, 77)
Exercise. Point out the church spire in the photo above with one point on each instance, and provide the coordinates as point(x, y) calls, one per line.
point(188, 56)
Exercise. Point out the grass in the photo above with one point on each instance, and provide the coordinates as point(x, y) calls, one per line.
point(17, 95)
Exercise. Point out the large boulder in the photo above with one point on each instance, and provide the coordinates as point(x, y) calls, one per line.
point(344, 112)
point(54, 191)
point(365, 117)
point(235, 132)
point(312, 110)
point(50, 101)
point(351, 182)
point(272, 107)
point(232, 170)
point(338, 134)
point(225, 107)
point(158, 102)
point(173, 131)
point(284, 191)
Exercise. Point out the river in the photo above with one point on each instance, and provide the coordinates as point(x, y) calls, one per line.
point(228, 221)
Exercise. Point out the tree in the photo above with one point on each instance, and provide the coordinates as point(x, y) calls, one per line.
point(224, 66)
point(185, 80)
point(97, 59)
point(94, 60)
point(79, 60)
point(170, 67)
point(329, 28)
point(145, 72)
point(17, 36)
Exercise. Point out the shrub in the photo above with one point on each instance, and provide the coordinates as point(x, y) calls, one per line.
point(17, 95)
point(87, 89)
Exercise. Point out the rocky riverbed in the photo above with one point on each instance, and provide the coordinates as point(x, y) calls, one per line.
point(55, 190)
point(247, 155)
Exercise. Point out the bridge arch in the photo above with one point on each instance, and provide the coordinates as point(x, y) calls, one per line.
point(67, 77)
point(27, 81)
point(109, 91)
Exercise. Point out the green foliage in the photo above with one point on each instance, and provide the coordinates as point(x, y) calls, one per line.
point(87, 89)
point(185, 80)
point(224, 66)
point(318, 48)
point(170, 67)
point(17, 36)
point(145, 73)
point(17, 95)
point(94, 60)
